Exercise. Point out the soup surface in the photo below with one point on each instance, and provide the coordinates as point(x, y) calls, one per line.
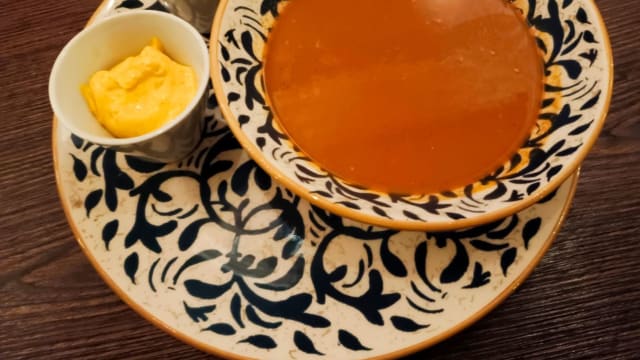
point(404, 96)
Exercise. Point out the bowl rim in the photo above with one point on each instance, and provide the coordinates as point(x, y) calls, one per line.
point(54, 76)
point(411, 225)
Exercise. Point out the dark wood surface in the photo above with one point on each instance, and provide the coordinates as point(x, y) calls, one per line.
point(582, 302)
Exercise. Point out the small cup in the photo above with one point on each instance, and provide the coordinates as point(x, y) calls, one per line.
point(198, 13)
point(107, 42)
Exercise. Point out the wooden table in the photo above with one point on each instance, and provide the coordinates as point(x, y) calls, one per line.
point(583, 301)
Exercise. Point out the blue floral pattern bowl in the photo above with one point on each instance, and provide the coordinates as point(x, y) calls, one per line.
point(578, 82)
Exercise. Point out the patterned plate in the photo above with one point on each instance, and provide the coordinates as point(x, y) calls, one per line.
point(213, 251)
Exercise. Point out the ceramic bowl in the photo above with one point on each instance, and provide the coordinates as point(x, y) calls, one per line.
point(109, 41)
point(579, 70)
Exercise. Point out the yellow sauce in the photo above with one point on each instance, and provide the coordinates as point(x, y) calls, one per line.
point(141, 93)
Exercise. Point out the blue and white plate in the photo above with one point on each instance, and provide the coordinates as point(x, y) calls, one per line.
point(213, 251)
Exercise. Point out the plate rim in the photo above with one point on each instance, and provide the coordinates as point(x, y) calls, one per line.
point(211, 349)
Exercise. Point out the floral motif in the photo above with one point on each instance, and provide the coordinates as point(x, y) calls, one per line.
point(248, 280)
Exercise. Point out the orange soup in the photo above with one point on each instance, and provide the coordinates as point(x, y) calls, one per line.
point(404, 96)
